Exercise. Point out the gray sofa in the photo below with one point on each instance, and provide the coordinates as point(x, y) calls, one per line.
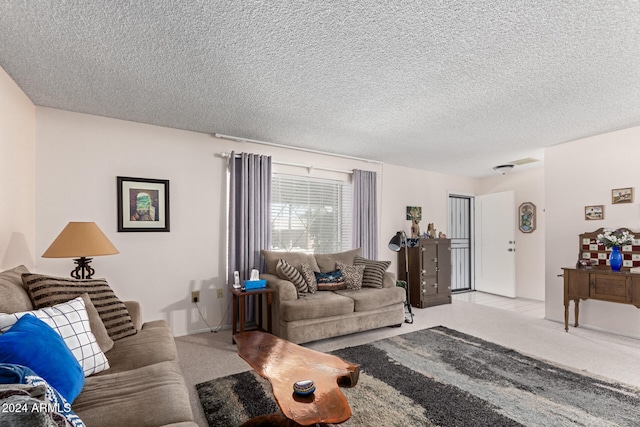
point(143, 386)
point(324, 314)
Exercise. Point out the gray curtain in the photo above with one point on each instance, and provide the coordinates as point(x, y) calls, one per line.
point(249, 216)
point(365, 213)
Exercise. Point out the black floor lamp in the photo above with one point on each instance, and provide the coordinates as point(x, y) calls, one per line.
point(396, 243)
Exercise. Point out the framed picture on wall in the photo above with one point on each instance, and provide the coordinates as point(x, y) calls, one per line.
point(594, 212)
point(527, 217)
point(143, 204)
point(622, 195)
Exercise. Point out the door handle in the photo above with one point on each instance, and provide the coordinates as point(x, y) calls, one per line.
point(511, 250)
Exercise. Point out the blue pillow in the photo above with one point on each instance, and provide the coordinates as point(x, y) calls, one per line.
point(330, 277)
point(18, 374)
point(31, 342)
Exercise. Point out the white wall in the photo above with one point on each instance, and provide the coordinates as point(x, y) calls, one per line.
point(530, 247)
point(404, 187)
point(78, 158)
point(17, 175)
point(578, 174)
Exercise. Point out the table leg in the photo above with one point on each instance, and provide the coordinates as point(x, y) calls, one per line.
point(259, 319)
point(269, 300)
point(234, 316)
point(576, 302)
point(566, 316)
point(242, 315)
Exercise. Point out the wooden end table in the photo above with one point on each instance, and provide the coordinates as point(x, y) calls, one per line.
point(238, 302)
point(283, 363)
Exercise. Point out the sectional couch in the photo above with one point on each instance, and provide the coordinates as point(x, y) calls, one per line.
point(304, 316)
point(143, 385)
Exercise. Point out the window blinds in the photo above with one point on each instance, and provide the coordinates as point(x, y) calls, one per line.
point(310, 215)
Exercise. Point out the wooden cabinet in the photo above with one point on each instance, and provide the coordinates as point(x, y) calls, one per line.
point(429, 267)
point(614, 286)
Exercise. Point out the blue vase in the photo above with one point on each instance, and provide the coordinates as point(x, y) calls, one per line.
point(615, 258)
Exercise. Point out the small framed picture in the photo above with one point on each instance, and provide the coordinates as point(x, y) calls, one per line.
point(622, 195)
point(527, 217)
point(143, 204)
point(414, 212)
point(594, 212)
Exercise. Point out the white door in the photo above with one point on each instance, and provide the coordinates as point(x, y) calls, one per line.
point(495, 243)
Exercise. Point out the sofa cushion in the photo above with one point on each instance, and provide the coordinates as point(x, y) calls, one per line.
point(373, 271)
point(71, 321)
point(314, 306)
point(46, 291)
point(153, 395)
point(367, 299)
point(154, 343)
point(310, 277)
point(32, 343)
point(287, 272)
point(327, 262)
point(352, 275)
point(294, 258)
point(13, 295)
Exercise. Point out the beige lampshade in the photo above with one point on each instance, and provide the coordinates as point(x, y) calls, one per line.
point(80, 239)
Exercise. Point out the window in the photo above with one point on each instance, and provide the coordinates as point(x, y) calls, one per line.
point(310, 215)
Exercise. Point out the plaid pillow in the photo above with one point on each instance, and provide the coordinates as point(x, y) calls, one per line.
point(71, 321)
point(46, 291)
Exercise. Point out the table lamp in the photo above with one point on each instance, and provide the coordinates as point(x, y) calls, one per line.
point(396, 243)
point(82, 240)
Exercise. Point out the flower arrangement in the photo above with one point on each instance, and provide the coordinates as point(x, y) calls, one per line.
point(611, 238)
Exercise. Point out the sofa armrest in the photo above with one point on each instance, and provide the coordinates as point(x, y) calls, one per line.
point(389, 280)
point(285, 290)
point(135, 312)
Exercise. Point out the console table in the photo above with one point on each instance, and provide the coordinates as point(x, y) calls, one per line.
point(604, 285)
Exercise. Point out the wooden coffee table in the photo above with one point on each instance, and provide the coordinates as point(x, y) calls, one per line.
point(283, 363)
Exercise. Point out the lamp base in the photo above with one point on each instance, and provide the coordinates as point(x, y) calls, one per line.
point(83, 269)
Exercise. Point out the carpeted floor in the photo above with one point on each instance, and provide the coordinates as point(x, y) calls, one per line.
point(442, 377)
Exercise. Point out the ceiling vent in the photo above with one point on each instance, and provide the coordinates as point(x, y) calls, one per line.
point(525, 161)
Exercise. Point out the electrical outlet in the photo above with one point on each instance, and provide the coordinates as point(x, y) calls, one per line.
point(195, 296)
point(219, 293)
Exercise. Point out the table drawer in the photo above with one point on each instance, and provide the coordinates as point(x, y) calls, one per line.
point(610, 288)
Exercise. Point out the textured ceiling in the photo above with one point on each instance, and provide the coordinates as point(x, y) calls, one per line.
point(449, 86)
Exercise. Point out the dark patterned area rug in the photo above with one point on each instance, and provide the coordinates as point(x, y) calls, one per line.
point(441, 377)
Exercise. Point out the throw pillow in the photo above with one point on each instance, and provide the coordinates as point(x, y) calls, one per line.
point(46, 291)
point(310, 276)
point(34, 385)
point(97, 327)
point(287, 272)
point(32, 343)
point(352, 275)
point(331, 281)
point(71, 322)
point(373, 271)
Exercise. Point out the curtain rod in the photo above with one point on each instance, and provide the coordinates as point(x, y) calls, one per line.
point(308, 167)
point(308, 150)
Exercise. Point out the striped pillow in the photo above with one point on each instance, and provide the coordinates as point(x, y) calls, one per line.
point(46, 291)
point(287, 272)
point(373, 271)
